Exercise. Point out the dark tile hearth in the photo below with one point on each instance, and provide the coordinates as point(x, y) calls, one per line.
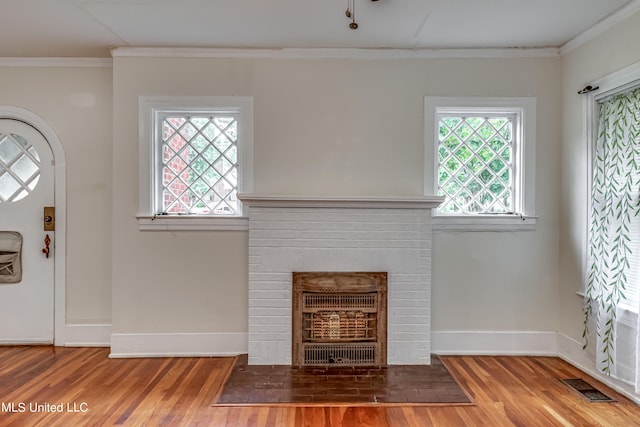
point(397, 384)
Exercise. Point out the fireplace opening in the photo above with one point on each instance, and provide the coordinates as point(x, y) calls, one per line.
point(339, 318)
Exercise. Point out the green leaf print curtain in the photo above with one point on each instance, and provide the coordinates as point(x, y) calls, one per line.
point(611, 300)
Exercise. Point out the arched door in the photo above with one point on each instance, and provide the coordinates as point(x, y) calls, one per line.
point(26, 187)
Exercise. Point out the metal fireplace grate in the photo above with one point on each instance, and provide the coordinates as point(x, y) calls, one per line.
point(339, 318)
point(339, 354)
point(340, 301)
point(339, 325)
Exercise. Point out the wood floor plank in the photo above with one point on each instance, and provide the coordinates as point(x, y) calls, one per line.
point(94, 390)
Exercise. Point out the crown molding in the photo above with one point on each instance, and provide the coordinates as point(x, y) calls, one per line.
point(600, 27)
point(332, 53)
point(56, 62)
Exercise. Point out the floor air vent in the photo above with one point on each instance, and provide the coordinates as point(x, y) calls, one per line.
point(587, 390)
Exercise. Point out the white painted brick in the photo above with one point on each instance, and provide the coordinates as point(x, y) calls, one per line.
point(269, 276)
point(329, 239)
point(415, 328)
point(406, 337)
point(271, 324)
point(401, 302)
point(421, 295)
point(280, 303)
point(397, 312)
point(265, 311)
point(258, 329)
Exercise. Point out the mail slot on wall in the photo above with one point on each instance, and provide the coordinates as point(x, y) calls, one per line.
point(10, 257)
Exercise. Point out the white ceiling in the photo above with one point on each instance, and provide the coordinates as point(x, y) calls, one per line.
point(89, 28)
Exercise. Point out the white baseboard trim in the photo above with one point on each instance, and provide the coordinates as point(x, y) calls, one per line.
point(530, 343)
point(10, 342)
point(179, 345)
point(571, 351)
point(88, 335)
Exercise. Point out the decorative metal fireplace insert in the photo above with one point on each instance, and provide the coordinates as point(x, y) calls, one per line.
point(339, 318)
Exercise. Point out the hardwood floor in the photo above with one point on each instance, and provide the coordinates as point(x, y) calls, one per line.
point(92, 390)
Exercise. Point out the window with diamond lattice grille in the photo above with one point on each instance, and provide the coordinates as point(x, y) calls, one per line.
point(476, 163)
point(199, 155)
point(19, 167)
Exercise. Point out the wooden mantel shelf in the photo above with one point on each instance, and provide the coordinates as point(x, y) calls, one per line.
point(369, 202)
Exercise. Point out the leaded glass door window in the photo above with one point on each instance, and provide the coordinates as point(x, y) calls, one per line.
point(19, 167)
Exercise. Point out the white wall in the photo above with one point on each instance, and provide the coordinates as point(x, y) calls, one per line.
point(333, 127)
point(323, 127)
point(609, 52)
point(76, 102)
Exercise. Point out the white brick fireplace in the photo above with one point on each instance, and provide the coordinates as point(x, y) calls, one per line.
point(288, 234)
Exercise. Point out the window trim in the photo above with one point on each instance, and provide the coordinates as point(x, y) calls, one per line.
point(148, 108)
point(524, 173)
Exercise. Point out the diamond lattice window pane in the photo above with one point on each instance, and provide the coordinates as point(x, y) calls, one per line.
point(200, 165)
point(232, 154)
point(497, 144)
point(8, 187)
point(222, 165)
point(31, 186)
point(19, 168)
point(211, 177)
point(486, 176)
point(199, 142)
point(464, 131)
point(496, 165)
point(188, 131)
point(475, 164)
point(222, 143)
point(211, 154)
point(8, 150)
point(25, 168)
point(232, 177)
point(199, 122)
point(486, 132)
point(463, 154)
point(463, 175)
point(486, 153)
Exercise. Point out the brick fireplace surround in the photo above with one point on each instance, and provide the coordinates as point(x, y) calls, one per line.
point(390, 234)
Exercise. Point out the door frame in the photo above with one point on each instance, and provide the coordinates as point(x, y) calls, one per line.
point(60, 195)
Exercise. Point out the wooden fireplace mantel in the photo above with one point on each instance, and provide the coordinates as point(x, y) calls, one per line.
point(371, 202)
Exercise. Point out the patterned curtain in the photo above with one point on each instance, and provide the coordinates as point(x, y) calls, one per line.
point(611, 300)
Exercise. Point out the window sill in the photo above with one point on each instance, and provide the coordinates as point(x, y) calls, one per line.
point(626, 313)
point(483, 223)
point(192, 223)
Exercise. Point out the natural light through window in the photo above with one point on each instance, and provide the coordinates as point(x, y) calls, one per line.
point(199, 172)
point(475, 163)
point(480, 156)
point(195, 157)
